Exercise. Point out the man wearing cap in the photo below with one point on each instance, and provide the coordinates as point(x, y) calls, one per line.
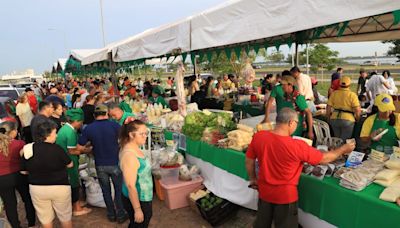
point(384, 119)
point(103, 135)
point(287, 95)
point(116, 113)
point(67, 138)
point(156, 97)
point(343, 110)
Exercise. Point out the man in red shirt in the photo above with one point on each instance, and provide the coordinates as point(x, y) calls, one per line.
point(33, 103)
point(281, 160)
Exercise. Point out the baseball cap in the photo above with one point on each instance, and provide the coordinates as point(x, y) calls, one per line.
point(384, 102)
point(345, 81)
point(101, 108)
point(288, 80)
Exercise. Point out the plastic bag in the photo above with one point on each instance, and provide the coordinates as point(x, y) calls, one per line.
point(94, 194)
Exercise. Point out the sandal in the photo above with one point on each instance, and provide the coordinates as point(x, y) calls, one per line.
point(84, 211)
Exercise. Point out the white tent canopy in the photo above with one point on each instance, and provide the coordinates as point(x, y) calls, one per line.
point(80, 54)
point(61, 63)
point(248, 20)
point(155, 42)
point(241, 21)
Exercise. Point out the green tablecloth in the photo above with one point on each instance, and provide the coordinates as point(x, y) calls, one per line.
point(249, 109)
point(325, 199)
point(346, 208)
point(231, 161)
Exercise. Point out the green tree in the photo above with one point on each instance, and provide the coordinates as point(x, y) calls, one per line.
point(276, 57)
point(395, 49)
point(321, 56)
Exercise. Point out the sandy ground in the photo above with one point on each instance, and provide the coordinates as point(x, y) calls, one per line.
point(162, 218)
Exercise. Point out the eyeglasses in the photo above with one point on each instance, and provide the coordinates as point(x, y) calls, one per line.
point(296, 121)
point(144, 134)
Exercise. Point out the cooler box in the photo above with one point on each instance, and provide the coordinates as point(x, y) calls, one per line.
point(176, 193)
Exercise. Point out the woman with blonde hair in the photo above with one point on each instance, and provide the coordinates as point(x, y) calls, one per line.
point(24, 112)
point(137, 188)
point(10, 177)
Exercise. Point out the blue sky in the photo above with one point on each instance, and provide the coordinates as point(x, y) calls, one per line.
point(34, 33)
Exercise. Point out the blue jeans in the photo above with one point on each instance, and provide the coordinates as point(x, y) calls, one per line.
point(104, 173)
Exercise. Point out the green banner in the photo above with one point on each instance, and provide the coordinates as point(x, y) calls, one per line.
point(396, 17)
point(238, 51)
point(201, 55)
point(209, 55)
point(217, 52)
point(184, 55)
point(193, 57)
point(289, 41)
point(256, 48)
point(277, 44)
point(228, 52)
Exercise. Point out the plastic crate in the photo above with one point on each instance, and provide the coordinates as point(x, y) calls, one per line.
point(176, 194)
point(218, 214)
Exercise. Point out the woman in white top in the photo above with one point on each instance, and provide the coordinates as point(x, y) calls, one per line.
point(25, 115)
point(392, 86)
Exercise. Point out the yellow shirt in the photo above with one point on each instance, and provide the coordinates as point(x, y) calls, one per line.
point(228, 84)
point(366, 129)
point(343, 99)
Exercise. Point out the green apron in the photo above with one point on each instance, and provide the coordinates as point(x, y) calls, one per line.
point(388, 140)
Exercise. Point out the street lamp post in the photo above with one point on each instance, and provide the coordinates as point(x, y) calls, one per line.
point(102, 22)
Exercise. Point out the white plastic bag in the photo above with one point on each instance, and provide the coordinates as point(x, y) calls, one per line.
point(94, 194)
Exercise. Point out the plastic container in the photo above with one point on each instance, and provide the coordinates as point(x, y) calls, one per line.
point(177, 194)
point(169, 174)
point(218, 214)
point(159, 191)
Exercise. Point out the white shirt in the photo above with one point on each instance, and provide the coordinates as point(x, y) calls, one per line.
point(375, 86)
point(23, 111)
point(393, 89)
point(305, 86)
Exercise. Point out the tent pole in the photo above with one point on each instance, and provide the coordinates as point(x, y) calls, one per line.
point(113, 77)
point(296, 57)
point(307, 65)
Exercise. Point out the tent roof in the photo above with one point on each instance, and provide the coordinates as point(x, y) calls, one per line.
point(80, 54)
point(238, 22)
point(241, 21)
point(61, 63)
point(169, 38)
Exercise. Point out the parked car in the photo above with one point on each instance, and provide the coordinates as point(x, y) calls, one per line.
point(10, 92)
point(7, 109)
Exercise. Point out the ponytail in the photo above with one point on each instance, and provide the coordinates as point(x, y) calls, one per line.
point(5, 129)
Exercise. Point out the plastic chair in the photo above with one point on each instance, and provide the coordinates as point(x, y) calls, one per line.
point(323, 134)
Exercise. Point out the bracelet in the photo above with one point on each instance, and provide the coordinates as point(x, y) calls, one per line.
point(136, 208)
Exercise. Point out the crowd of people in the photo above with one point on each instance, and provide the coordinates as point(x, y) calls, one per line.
point(56, 123)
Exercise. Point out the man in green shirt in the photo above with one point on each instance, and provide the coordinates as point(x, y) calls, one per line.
point(67, 138)
point(287, 95)
point(156, 97)
point(116, 113)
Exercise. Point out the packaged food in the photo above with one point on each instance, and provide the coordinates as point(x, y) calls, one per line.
point(390, 194)
point(341, 171)
point(330, 170)
point(355, 158)
point(387, 174)
point(393, 164)
point(319, 171)
point(307, 168)
point(386, 183)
